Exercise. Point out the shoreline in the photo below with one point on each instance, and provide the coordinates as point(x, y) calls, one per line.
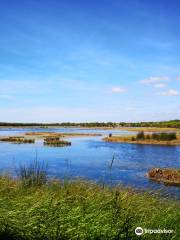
point(61, 135)
point(42, 135)
point(134, 129)
point(122, 139)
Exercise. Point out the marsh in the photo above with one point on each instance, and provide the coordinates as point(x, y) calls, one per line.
point(89, 157)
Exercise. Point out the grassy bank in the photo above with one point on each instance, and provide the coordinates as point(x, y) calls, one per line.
point(148, 139)
point(82, 210)
point(148, 129)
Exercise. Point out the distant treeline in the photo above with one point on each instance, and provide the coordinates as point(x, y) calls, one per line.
point(171, 124)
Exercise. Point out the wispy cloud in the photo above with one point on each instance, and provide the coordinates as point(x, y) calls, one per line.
point(178, 78)
point(170, 92)
point(117, 90)
point(160, 85)
point(154, 80)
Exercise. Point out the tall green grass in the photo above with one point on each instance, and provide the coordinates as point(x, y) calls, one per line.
point(82, 210)
point(33, 174)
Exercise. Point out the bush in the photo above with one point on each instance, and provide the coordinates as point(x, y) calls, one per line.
point(148, 137)
point(155, 136)
point(133, 139)
point(164, 136)
point(140, 136)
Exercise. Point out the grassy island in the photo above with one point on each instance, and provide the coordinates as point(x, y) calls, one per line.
point(162, 138)
point(17, 140)
point(56, 142)
point(60, 135)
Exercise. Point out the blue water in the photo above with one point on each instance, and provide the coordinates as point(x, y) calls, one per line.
point(90, 158)
point(17, 131)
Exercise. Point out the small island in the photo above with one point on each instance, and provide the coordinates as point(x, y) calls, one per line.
point(17, 139)
point(158, 138)
point(56, 142)
point(168, 176)
point(40, 135)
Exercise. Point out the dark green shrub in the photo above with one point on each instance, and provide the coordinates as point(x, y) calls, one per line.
point(155, 136)
point(172, 136)
point(148, 137)
point(164, 136)
point(140, 136)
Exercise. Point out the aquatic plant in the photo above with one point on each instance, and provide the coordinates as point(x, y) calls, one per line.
point(33, 174)
point(56, 142)
point(17, 139)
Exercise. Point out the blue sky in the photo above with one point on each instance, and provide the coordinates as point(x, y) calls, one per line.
point(89, 60)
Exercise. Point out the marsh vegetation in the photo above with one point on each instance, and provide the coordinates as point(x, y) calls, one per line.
point(168, 176)
point(56, 142)
point(17, 139)
point(34, 207)
point(161, 138)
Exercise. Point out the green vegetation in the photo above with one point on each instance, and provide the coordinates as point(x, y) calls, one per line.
point(161, 124)
point(164, 136)
point(82, 210)
point(56, 142)
point(33, 175)
point(140, 136)
point(18, 140)
point(155, 136)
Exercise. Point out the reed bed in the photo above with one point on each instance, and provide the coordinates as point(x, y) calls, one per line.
point(17, 140)
point(56, 142)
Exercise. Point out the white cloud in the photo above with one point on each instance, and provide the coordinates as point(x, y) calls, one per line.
point(170, 92)
point(154, 80)
point(160, 85)
point(117, 90)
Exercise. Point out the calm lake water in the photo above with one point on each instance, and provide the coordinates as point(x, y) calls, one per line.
point(90, 158)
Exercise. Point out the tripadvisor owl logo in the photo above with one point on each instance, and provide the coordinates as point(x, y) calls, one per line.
point(139, 231)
